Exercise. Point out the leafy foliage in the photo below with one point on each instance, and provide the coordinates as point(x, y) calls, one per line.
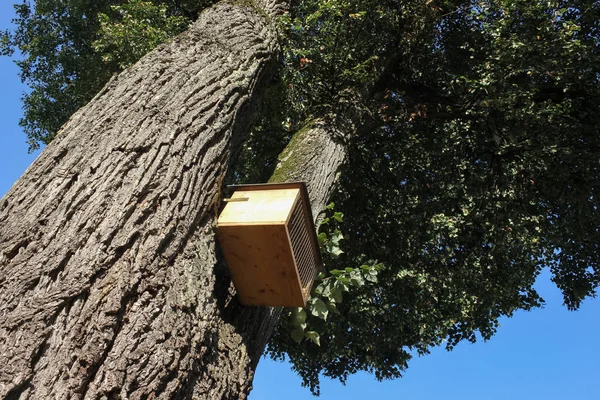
point(323, 321)
point(70, 48)
point(477, 168)
point(483, 170)
point(333, 46)
point(58, 62)
point(135, 28)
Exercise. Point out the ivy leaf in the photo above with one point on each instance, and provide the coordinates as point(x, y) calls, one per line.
point(333, 250)
point(322, 237)
point(336, 237)
point(344, 281)
point(333, 308)
point(338, 216)
point(324, 289)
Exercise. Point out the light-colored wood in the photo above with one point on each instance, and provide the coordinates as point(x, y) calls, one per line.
point(261, 264)
point(254, 233)
point(262, 207)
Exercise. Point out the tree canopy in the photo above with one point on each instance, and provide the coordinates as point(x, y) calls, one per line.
point(475, 165)
point(72, 48)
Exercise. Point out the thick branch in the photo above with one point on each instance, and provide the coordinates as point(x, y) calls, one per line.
point(314, 155)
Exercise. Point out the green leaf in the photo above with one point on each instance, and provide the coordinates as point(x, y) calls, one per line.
point(336, 236)
point(371, 276)
point(298, 317)
point(332, 246)
point(314, 337)
point(338, 216)
point(357, 280)
point(334, 250)
point(332, 307)
point(319, 309)
point(336, 294)
point(322, 237)
point(341, 282)
point(324, 289)
point(298, 335)
point(344, 280)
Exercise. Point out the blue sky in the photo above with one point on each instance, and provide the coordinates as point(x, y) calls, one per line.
point(548, 353)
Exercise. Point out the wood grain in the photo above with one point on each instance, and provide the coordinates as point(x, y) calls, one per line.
point(261, 264)
point(263, 207)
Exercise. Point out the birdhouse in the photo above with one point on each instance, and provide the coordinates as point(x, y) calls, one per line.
point(269, 241)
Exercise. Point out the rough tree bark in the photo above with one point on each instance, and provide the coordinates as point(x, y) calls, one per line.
point(110, 282)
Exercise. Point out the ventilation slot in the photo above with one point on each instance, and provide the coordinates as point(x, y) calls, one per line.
point(304, 254)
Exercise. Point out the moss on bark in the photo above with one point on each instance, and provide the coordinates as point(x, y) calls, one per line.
point(295, 154)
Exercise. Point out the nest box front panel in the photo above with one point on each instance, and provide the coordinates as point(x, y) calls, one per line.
point(261, 264)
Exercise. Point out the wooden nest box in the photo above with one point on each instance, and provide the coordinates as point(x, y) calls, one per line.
point(268, 237)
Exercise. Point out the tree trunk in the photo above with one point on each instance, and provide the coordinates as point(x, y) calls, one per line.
point(110, 284)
